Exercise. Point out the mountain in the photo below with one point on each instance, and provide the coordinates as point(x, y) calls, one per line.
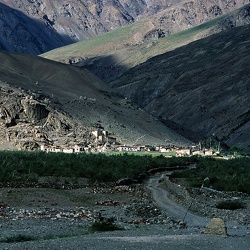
point(187, 91)
point(193, 81)
point(37, 26)
point(45, 102)
point(203, 86)
point(113, 53)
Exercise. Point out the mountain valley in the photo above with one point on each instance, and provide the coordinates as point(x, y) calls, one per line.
point(143, 78)
point(88, 88)
point(189, 85)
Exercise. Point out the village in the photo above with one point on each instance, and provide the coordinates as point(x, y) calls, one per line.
point(105, 143)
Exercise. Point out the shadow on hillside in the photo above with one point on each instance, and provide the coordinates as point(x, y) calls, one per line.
point(107, 67)
point(20, 33)
point(191, 135)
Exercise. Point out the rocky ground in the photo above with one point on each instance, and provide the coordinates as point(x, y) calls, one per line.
point(60, 216)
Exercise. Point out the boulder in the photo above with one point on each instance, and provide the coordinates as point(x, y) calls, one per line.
point(35, 110)
point(216, 227)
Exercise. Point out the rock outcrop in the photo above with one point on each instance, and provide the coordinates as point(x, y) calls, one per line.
point(34, 110)
point(26, 123)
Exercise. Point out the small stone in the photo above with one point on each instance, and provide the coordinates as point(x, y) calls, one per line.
point(182, 224)
point(58, 216)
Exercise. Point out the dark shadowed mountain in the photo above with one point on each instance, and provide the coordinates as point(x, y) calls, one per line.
point(203, 86)
point(21, 33)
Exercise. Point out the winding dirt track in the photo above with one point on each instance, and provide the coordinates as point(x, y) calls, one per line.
point(171, 208)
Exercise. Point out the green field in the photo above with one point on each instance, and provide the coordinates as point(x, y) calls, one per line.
point(23, 166)
point(224, 175)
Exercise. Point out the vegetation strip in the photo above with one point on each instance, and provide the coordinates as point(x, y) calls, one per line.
point(27, 167)
point(222, 175)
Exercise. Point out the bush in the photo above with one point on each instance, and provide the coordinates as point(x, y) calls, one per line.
point(102, 226)
point(230, 205)
point(18, 238)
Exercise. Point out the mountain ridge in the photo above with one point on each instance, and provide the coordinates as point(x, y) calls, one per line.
point(164, 80)
point(64, 22)
point(111, 54)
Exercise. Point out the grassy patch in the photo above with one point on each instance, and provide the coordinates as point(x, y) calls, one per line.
point(151, 153)
point(120, 38)
point(61, 236)
point(23, 238)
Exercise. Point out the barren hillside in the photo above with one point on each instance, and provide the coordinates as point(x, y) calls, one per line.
point(203, 86)
point(48, 102)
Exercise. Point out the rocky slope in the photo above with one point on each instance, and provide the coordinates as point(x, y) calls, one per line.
point(48, 102)
point(203, 86)
point(27, 123)
point(37, 26)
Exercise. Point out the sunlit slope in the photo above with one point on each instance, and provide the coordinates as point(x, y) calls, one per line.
point(126, 47)
point(83, 97)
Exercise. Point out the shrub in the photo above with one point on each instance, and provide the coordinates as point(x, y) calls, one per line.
point(102, 226)
point(230, 205)
point(18, 238)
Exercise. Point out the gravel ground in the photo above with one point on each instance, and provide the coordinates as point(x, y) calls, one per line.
point(146, 225)
point(141, 237)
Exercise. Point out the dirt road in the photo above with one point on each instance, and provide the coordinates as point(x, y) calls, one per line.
point(171, 208)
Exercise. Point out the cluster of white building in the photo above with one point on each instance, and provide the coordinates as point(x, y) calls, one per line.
point(58, 149)
point(124, 148)
point(105, 143)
